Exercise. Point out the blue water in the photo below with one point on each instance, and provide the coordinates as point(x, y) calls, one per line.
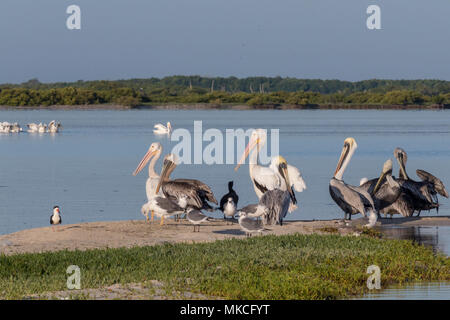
point(87, 168)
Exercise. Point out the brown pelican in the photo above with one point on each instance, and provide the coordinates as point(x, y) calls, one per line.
point(229, 201)
point(154, 152)
point(162, 129)
point(423, 194)
point(350, 199)
point(268, 178)
point(53, 127)
point(384, 190)
point(196, 217)
point(187, 193)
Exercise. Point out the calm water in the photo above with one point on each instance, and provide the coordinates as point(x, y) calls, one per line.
point(87, 169)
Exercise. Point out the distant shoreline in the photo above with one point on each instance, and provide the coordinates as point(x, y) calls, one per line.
point(208, 106)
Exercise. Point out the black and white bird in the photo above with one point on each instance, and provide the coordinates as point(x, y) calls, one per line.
point(228, 203)
point(55, 218)
point(196, 217)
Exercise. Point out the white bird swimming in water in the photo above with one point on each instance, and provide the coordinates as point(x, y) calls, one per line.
point(154, 153)
point(269, 178)
point(55, 218)
point(36, 128)
point(6, 127)
point(162, 129)
point(53, 127)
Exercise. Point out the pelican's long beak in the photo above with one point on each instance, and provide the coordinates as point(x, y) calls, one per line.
point(387, 169)
point(168, 167)
point(144, 161)
point(401, 164)
point(282, 168)
point(344, 154)
point(250, 146)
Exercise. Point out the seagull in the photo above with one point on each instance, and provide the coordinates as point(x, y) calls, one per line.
point(196, 217)
point(249, 225)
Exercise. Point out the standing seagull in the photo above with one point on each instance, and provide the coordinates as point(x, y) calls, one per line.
point(350, 199)
point(154, 152)
point(249, 225)
point(162, 129)
point(55, 218)
point(229, 201)
point(268, 178)
point(196, 217)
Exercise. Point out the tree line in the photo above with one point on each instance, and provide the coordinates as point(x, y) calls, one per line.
point(251, 91)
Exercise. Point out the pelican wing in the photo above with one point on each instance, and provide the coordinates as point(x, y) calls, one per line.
point(296, 178)
point(265, 179)
point(201, 187)
point(350, 199)
point(437, 183)
point(175, 190)
point(277, 203)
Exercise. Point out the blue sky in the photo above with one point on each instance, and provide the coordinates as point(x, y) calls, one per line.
point(123, 39)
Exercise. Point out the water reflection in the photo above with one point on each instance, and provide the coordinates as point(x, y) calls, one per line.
point(436, 237)
point(415, 291)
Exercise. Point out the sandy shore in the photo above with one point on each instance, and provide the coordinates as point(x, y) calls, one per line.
point(131, 233)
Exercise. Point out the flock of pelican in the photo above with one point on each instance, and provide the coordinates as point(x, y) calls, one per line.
point(52, 127)
point(386, 194)
point(275, 187)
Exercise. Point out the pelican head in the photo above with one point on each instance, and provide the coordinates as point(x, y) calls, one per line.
point(387, 170)
point(169, 164)
point(155, 148)
point(282, 166)
point(257, 139)
point(348, 149)
point(402, 158)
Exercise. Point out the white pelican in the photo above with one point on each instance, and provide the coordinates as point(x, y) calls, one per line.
point(154, 152)
point(5, 127)
point(269, 178)
point(350, 199)
point(229, 201)
point(53, 127)
point(162, 129)
point(55, 218)
point(187, 193)
point(39, 128)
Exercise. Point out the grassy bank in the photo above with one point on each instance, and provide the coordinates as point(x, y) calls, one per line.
point(269, 267)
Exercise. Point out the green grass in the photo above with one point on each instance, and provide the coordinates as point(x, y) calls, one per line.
point(268, 267)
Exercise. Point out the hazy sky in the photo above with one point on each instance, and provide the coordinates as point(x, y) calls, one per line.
point(297, 38)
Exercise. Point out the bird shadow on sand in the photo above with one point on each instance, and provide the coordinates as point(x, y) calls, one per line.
point(230, 231)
